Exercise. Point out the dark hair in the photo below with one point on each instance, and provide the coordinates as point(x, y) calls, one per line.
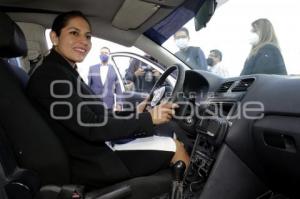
point(265, 30)
point(62, 20)
point(183, 30)
point(217, 53)
point(134, 65)
point(104, 47)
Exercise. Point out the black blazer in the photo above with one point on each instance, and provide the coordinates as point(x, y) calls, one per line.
point(92, 162)
point(268, 60)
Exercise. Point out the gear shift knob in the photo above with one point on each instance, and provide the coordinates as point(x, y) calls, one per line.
point(178, 170)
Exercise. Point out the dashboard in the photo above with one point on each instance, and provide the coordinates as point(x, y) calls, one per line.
point(247, 133)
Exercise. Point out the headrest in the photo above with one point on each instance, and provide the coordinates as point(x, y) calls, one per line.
point(36, 44)
point(12, 39)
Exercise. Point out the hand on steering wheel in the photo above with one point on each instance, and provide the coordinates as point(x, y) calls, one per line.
point(163, 113)
point(158, 91)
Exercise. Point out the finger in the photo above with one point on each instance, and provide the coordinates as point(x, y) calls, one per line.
point(173, 113)
point(166, 118)
point(169, 117)
point(145, 100)
point(168, 111)
point(174, 105)
point(166, 105)
point(148, 108)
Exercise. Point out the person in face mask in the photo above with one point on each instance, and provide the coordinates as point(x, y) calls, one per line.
point(265, 56)
point(103, 79)
point(192, 56)
point(142, 75)
point(213, 61)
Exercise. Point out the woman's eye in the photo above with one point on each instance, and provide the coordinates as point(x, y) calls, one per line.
point(74, 33)
point(88, 37)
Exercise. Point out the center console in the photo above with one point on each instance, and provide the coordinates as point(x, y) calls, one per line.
point(216, 170)
point(210, 126)
point(211, 132)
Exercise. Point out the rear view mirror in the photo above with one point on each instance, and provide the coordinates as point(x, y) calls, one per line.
point(204, 14)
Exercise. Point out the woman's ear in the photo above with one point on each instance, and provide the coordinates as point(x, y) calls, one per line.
point(54, 38)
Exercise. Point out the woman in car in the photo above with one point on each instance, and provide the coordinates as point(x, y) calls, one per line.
point(265, 56)
point(89, 130)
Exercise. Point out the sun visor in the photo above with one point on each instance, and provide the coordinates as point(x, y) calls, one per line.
point(133, 13)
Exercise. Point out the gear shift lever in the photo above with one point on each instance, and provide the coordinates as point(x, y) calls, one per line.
point(178, 173)
point(178, 170)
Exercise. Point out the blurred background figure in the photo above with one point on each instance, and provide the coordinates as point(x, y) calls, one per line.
point(142, 75)
point(265, 56)
point(192, 56)
point(213, 62)
point(103, 79)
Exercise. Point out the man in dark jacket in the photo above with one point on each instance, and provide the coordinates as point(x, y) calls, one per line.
point(142, 75)
point(192, 56)
point(103, 79)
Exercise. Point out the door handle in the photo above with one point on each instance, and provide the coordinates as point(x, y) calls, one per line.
point(280, 141)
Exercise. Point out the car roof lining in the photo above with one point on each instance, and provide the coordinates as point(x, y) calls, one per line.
point(102, 15)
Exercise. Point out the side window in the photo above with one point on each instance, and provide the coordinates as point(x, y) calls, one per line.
point(122, 64)
point(138, 75)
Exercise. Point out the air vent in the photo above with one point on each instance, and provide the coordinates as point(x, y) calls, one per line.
point(225, 86)
point(243, 85)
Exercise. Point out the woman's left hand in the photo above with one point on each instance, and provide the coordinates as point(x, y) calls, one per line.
point(141, 106)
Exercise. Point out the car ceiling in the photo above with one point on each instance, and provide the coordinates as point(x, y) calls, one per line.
point(121, 21)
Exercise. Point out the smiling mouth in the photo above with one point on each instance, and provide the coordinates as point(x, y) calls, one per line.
point(80, 50)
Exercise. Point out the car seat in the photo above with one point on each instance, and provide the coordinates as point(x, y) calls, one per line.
point(36, 44)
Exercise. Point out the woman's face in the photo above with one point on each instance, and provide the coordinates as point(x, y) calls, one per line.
point(74, 41)
point(253, 36)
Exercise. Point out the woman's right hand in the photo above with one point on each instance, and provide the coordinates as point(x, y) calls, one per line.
point(163, 113)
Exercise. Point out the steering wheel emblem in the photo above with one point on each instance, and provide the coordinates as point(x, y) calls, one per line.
point(158, 95)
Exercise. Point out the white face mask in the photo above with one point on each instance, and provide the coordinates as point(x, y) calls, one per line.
point(253, 38)
point(182, 43)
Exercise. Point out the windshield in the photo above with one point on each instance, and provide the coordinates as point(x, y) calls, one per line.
point(243, 38)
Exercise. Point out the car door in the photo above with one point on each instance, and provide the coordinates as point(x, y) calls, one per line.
point(137, 76)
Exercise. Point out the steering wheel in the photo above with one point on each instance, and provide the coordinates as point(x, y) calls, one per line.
point(158, 92)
